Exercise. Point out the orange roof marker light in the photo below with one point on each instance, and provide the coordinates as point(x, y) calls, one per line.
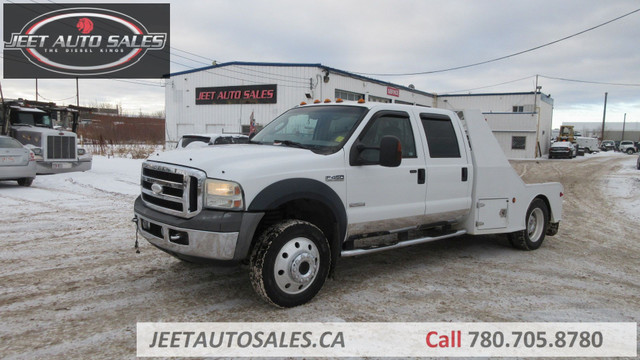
point(316, 101)
point(303, 103)
point(338, 100)
point(326, 101)
point(360, 101)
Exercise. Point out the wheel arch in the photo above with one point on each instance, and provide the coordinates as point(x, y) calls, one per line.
point(547, 203)
point(303, 199)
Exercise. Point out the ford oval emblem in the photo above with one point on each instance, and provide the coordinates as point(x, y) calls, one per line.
point(156, 188)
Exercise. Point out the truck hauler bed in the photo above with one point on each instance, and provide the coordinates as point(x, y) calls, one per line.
point(334, 180)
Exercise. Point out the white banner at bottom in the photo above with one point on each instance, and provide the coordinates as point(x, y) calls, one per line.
point(368, 339)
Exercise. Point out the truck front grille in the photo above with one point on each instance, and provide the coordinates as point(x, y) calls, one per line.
point(61, 147)
point(171, 189)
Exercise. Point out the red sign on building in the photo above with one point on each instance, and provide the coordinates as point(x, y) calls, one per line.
point(393, 91)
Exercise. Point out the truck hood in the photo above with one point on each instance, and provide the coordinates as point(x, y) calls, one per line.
point(42, 130)
point(232, 162)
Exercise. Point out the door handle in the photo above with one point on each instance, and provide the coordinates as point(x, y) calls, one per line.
point(421, 176)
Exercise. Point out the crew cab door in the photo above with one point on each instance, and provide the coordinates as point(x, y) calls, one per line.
point(385, 198)
point(449, 169)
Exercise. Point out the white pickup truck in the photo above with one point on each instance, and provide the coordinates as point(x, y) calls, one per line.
point(333, 180)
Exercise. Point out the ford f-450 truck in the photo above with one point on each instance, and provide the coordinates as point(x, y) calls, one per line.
point(333, 180)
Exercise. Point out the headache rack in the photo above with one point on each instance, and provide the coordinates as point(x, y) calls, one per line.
point(171, 189)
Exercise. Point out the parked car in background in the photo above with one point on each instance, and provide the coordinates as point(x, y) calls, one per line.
point(198, 140)
point(627, 146)
point(607, 145)
point(562, 149)
point(16, 161)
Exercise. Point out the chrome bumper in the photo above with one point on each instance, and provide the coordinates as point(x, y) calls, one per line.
point(202, 244)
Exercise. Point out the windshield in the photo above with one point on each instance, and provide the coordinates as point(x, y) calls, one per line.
point(323, 128)
point(31, 118)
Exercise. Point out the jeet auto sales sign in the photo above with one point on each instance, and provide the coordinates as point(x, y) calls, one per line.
point(86, 40)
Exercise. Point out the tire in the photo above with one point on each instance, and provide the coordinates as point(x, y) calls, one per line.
point(630, 151)
point(25, 181)
point(536, 222)
point(290, 263)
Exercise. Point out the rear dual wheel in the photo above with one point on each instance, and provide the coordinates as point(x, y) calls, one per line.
point(536, 222)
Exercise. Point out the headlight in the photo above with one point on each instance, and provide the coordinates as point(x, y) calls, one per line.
point(219, 194)
point(81, 151)
point(37, 150)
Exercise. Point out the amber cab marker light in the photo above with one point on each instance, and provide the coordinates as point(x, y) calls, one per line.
point(316, 101)
point(303, 103)
point(360, 101)
point(326, 101)
point(338, 100)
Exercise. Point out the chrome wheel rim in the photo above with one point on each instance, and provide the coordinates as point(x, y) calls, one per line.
point(296, 265)
point(535, 224)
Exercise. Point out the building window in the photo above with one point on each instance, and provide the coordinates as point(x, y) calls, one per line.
point(348, 95)
point(518, 142)
point(403, 102)
point(379, 99)
point(247, 128)
point(518, 108)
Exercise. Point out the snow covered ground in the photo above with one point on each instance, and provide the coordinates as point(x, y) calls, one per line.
point(72, 285)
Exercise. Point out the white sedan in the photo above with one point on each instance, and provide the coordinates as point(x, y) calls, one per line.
point(16, 162)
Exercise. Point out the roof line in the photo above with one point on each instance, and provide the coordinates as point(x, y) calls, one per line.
point(494, 94)
point(318, 65)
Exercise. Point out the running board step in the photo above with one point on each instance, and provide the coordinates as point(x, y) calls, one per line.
point(354, 252)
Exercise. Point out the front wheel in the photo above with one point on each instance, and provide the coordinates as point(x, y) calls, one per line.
point(630, 151)
point(25, 181)
point(290, 263)
point(536, 222)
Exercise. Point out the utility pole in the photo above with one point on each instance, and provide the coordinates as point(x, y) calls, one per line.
point(36, 89)
point(537, 150)
point(604, 115)
point(77, 93)
point(624, 121)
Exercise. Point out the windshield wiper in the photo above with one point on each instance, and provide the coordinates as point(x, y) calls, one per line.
point(291, 144)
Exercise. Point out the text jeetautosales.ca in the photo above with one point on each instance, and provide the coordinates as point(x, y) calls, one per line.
point(246, 339)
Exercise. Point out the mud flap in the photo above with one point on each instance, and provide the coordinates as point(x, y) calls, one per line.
point(552, 229)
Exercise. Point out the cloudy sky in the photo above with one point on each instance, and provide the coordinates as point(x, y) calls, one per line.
point(395, 37)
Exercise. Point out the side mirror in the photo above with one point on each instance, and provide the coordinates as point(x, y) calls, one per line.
point(252, 135)
point(390, 151)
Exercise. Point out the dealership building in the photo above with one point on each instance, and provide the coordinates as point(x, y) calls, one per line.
point(223, 98)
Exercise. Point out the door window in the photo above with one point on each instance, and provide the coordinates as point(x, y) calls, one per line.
point(384, 125)
point(441, 137)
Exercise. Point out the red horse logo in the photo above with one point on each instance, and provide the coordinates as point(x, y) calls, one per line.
point(85, 25)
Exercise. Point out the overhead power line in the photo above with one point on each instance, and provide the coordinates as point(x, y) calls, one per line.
point(502, 57)
point(489, 86)
point(588, 82)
